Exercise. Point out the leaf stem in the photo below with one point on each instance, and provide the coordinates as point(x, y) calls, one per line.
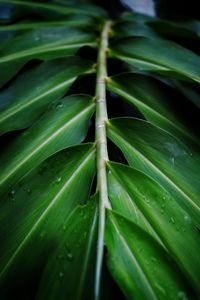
point(101, 146)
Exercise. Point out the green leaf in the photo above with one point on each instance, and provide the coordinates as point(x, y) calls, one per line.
point(189, 90)
point(140, 265)
point(45, 43)
point(73, 260)
point(126, 29)
point(81, 21)
point(44, 199)
point(152, 98)
point(59, 9)
point(122, 203)
point(35, 89)
point(187, 29)
point(162, 157)
point(42, 43)
point(64, 125)
point(158, 55)
point(165, 215)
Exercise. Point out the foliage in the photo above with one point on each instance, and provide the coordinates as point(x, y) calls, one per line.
point(68, 212)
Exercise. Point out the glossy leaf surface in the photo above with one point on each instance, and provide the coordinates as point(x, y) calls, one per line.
point(153, 99)
point(44, 200)
point(73, 260)
point(64, 125)
point(21, 105)
point(159, 56)
point(139, 264)
point(46, 8)
point(160, 156)
point(167, 218)
point(45, 43)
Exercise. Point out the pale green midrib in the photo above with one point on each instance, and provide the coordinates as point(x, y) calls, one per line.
point(145, 220)
point(52, 136)
point(54, 200)
point(86, 257)
point(135, 262)
point(19, 107)
point(138, 102)
point(159, 66)
point(43, 49)
point(144, 158)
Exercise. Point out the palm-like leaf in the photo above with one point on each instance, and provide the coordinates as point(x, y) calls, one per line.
point(145, 213)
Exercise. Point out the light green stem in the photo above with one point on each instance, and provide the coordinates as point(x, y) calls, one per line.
point(101, 146)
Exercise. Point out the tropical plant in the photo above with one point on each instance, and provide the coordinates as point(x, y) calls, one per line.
point(62, 226)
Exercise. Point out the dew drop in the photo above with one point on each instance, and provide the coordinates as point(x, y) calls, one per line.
point(182, 296)
point(58, 179)
point(172, 219)
point(29, 191)
point(61, 275)
point(59, 105)
point(12, 195)
point(172, 160)
point(69, 256)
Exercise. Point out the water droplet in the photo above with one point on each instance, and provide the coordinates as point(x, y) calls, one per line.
point(64, 227)
point(173, 161)
point(58, 179)
point(191, 154)
point(182, 296)
point(61, 274)
point(84, 235)
point(59, 105)
point(69, 256)
point(162, 208)
point(12, 195)
point(172, 219)
point(29, 191)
